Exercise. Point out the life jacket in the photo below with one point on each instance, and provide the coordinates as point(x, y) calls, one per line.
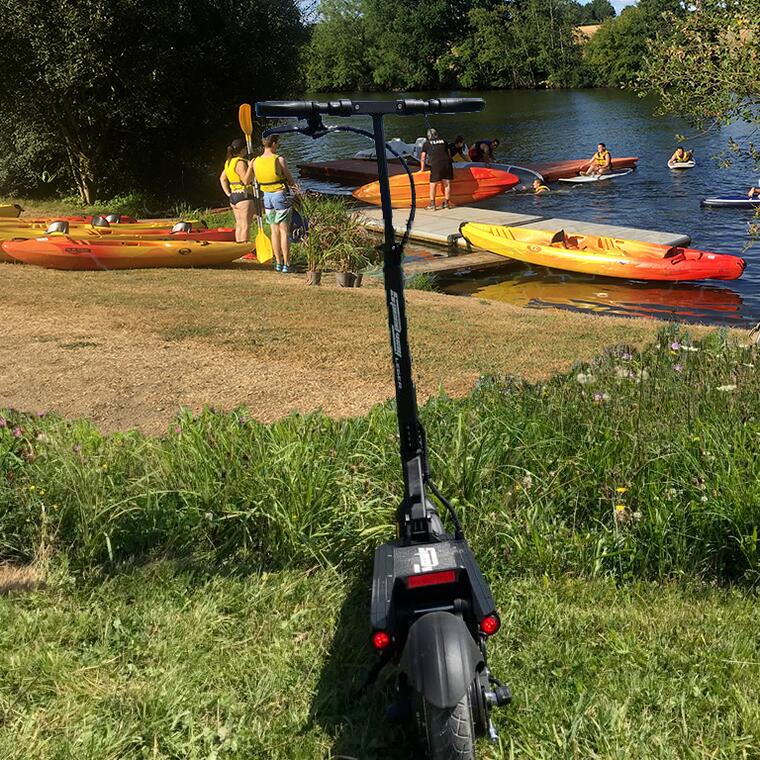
point(601, 158)
point(541, 189)
point(683, 157)
point(236, 184)
point(266, 174)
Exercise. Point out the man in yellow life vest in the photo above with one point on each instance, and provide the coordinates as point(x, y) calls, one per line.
point(681, 156)
point(601, 161)
point(275, 180)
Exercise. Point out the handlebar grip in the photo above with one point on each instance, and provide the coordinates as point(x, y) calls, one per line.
point(295, 108)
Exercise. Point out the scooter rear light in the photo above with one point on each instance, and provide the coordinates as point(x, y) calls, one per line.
point(431, 579)
point(381, 640)
point(490, 624)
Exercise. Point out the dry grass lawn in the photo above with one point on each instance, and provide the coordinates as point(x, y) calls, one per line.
point(127, 349)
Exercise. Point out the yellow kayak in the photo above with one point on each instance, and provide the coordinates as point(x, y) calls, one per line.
point(608, 257)
point(10, 210)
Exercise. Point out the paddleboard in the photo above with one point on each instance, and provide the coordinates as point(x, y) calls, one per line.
point(595, 177)
point(681, 164)
point(731, 201)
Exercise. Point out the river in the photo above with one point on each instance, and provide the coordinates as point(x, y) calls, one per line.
point(552, 125)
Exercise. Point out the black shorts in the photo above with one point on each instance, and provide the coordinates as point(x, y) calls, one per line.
point(441, 171)
point(235, 198)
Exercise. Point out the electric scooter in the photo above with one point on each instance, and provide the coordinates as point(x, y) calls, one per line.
point(432, 611)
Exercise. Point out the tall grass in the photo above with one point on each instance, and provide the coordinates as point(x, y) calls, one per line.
point(637, 465)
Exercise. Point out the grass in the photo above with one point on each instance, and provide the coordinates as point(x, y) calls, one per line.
point(639, 465)
point(166, 662)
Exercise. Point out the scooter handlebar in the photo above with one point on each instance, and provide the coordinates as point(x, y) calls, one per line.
point(303, 109)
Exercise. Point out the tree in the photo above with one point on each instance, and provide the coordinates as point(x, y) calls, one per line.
point(124, 94)
point(595, 12)
point(615, 55)
point(336, 57)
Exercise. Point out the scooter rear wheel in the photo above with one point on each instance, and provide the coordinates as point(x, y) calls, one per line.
point(450, 732)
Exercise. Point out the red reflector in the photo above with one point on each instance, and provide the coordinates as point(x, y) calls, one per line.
point(381, 640)
point(431, 579)
point(490, 624)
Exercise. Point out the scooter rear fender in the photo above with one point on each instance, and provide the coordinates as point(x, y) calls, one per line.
point(440, 658)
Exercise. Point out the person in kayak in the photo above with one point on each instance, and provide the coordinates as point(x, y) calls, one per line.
point(235, 180)
point(601, 161)
point(483, 150)
point(435, 151)
point(458, 150)
point(275, 181)
point(754, 192)
point(537, 187)
point(681, 156)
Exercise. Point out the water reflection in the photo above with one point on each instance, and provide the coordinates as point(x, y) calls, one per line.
point(537, 289)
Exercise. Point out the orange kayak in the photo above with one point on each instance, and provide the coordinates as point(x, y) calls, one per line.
point(608, 257)
point(66, 252)
point(470, 183)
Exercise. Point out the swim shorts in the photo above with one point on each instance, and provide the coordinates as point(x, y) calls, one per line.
point(235, 198)
point(278, 206)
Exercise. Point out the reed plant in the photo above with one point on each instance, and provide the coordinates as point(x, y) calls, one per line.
point(637, 465)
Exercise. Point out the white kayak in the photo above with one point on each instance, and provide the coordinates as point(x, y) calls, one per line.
point(681, 164)
point(731, 201)
point(404, 149)
point(595, 177)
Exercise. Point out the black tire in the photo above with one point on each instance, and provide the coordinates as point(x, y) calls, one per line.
point(450, 733)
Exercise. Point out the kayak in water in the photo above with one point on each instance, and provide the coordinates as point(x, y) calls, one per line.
point(595, 177)
point(730, 201)
point(605, 256)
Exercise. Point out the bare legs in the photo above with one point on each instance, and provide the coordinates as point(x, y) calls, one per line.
point(281, 242)
point(446, 192)
point(243, 212)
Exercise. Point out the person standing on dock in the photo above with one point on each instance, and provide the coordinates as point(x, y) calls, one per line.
point(235, 180)
point(275, 180)
point(436, 150)
point(601, 161)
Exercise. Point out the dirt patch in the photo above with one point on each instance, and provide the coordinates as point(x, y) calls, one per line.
point(128, 349)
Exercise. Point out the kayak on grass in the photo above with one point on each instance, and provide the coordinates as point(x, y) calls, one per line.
point(470, 183)
point(730, 201)
point(581, 178)
point(10, 210)
point(58, 251)
point(605, 256)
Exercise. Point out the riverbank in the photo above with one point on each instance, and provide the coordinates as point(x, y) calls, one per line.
point(128, 349)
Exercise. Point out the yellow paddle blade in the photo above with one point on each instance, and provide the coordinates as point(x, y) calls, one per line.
point(264, 250)
point(244, 117)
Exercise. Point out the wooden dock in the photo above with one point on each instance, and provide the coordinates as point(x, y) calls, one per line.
point(441, 228)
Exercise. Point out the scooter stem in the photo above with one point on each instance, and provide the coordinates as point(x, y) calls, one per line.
point(414, 509)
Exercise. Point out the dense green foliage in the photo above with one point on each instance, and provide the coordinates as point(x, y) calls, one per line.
point(106, 97)
point(641, 465)
point(615, 55)
point(715, 79)
point(167, 663)
point(387, 44)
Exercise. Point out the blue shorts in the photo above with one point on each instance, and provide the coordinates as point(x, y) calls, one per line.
point(278, 206)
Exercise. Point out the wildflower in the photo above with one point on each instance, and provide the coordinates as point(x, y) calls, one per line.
point(695, 439)
point(584, 378)
point(40, 415)
point(32, 487)
point(76, 448)
point(3, 422)
point(42, 491)
point(103, 466)
point(626, 357)
point(703, 498)
point(600, 398)
point(623, 373)
point(177, 429)
point(675, 346)
point(17, 432)
point(621, 489)
point(726, 388)
point(527, 482)
point(620, 507)
point(678, 367)
point(42, 437)
point(636, 516)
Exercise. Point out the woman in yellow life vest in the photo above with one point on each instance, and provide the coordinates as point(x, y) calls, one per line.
point(601, 161)
point(235, 180)
point(275, 180)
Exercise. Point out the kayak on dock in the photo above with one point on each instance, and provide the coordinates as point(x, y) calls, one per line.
point(730, 201)
point(471, 183)
point(66, 252)
point(608, 257)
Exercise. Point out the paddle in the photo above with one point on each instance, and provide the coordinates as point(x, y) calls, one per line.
point(264, 250)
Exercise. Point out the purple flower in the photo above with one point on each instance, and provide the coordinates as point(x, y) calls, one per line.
point(177, 429)
point(678, 367)
point(17, 432)
point(675, 345)
point(3, 422)
point(626, 357)
point(40, 415)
